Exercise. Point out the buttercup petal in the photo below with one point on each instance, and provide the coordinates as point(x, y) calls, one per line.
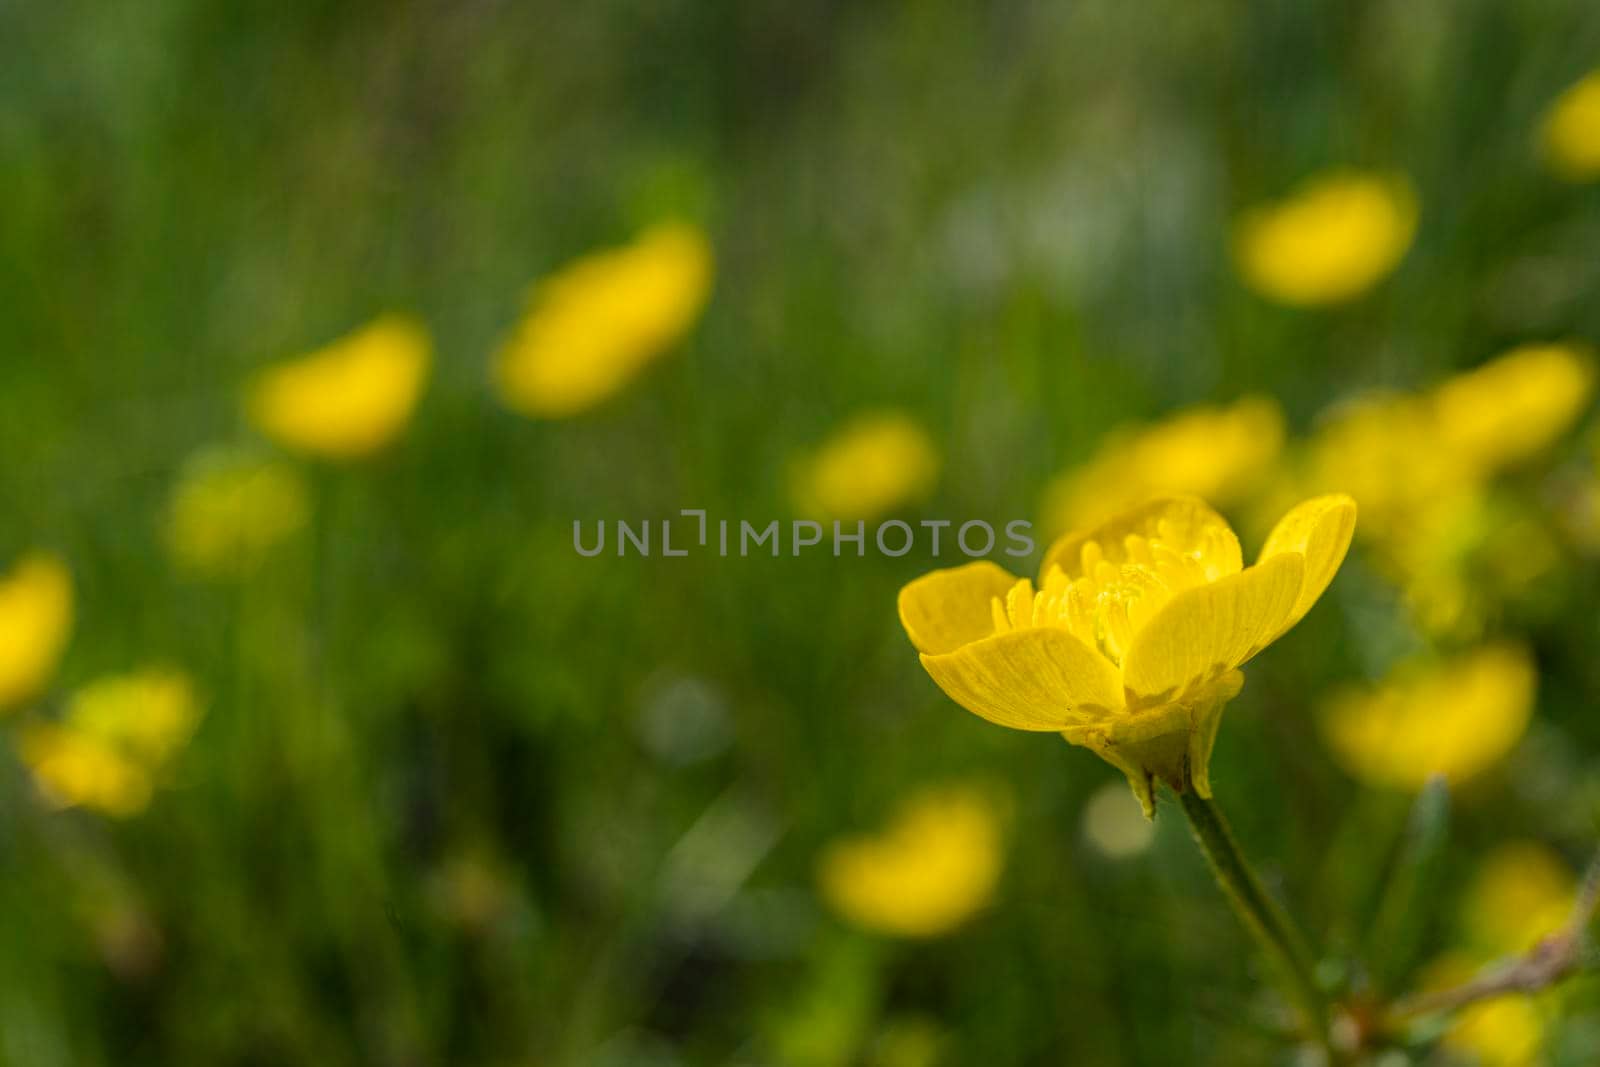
point(946, 609)
point(1210, 629)
point(1185, 523)
point(1319, 530)
point(1036, 679)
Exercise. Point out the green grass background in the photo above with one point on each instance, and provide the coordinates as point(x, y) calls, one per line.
point(1009, 219)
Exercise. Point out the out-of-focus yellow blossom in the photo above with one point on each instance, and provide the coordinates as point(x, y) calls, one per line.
point(591, 327)
point(930, 870)
point(1420, 464)
point(35, 622)
point(1521, 894)
point(1331, 240)
point(1570, 134)
point(1514, 406)
point(1221, 454)
point(116, 737)
point(1379, 449)
point(1507, 1031)
point(874, 463)
point(1457, 717)
point(230, 509)
point(349, 399)
point(1132, 643)
point(1400, 455)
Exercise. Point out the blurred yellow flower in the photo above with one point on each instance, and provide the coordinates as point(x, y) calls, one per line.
point(349, 399)
point(230, 509)
point(1508, 1031)
point(117, 735)
point(1378, 448)
point(1570, 133)
point(35, 622)
point(930, 870)
point(1456, 717)
point(590, 328)
point(876, 462)
point(1521, 894)
point(1513, 407)
point(1402, 454)
point(1221, 454)
point(1331, 240)
point(1419, 465)
point(1132, 646)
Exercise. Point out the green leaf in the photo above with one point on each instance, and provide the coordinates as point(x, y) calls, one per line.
point(1401, 921)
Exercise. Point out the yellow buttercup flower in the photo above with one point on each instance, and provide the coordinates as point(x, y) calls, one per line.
point(1522, 893)
point(1131, 644)
point(230, 509)
point(1570, 134)
point(114, 740)
point(35, 622)
point(874, 463)
point(935, 865)
point(1420, 467)
point(1330, 241)
point(349, 399)
point(1508, 1031)
point(594, 325)
point(1458, 718)
point(1220, 454)
point(1380, 449)
point(1401, 455)
point(1514, 406)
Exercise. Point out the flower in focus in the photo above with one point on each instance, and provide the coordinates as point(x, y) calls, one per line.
point(1458, 718)
point(230, 509)
point(35, 622)
point(116, 737)
point(1570, 133)
point(348, 399)
point(1131, 644)
point(591, 327)
point(929, 871)
point(1335, 237)
point(874, 463)
point(1521, 894)
point(1220, 454)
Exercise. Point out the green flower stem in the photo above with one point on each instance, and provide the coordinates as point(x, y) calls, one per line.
point(1259, 913)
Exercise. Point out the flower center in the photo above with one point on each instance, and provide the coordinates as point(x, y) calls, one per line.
point(1106, 606)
